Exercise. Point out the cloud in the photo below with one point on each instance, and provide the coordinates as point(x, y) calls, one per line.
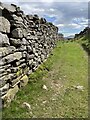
point(60, 25)
point(74, 25)
point(11, 1)
point(70, 17)
point(47, 1)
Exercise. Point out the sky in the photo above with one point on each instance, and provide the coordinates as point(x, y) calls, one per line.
point(70, 17)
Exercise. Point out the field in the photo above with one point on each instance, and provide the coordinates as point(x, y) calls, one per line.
point(65, 76)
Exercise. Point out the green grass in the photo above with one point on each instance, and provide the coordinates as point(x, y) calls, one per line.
point(65, 68)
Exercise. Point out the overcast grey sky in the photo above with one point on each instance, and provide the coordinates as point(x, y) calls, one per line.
point(70, 17)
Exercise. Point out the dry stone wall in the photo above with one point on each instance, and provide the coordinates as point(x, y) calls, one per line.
point(25, 42)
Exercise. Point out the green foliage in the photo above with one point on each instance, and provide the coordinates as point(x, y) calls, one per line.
point(19, 72)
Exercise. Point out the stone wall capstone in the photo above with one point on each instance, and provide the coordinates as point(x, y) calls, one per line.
point(25, 42)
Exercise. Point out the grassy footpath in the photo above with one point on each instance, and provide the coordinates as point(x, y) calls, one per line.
point(65, 68)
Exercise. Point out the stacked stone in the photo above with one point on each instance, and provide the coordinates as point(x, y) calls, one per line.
point(25, 42)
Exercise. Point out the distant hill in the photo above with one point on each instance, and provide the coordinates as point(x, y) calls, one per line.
point(83, 33)
point(61, 36)
point(70, 37)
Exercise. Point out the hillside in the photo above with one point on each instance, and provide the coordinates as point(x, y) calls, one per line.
point(84, 38)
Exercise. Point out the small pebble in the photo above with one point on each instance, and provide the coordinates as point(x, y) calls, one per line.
point(81, 88)
point(44, 102)
point(45, 87)
point(27, 105)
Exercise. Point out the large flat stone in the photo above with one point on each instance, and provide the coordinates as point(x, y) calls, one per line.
point(7, 98)
point(17, 33)
point(4, 25)
point(11, 58)
point(4, 40)
point(6, 50)
point(10, 8)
